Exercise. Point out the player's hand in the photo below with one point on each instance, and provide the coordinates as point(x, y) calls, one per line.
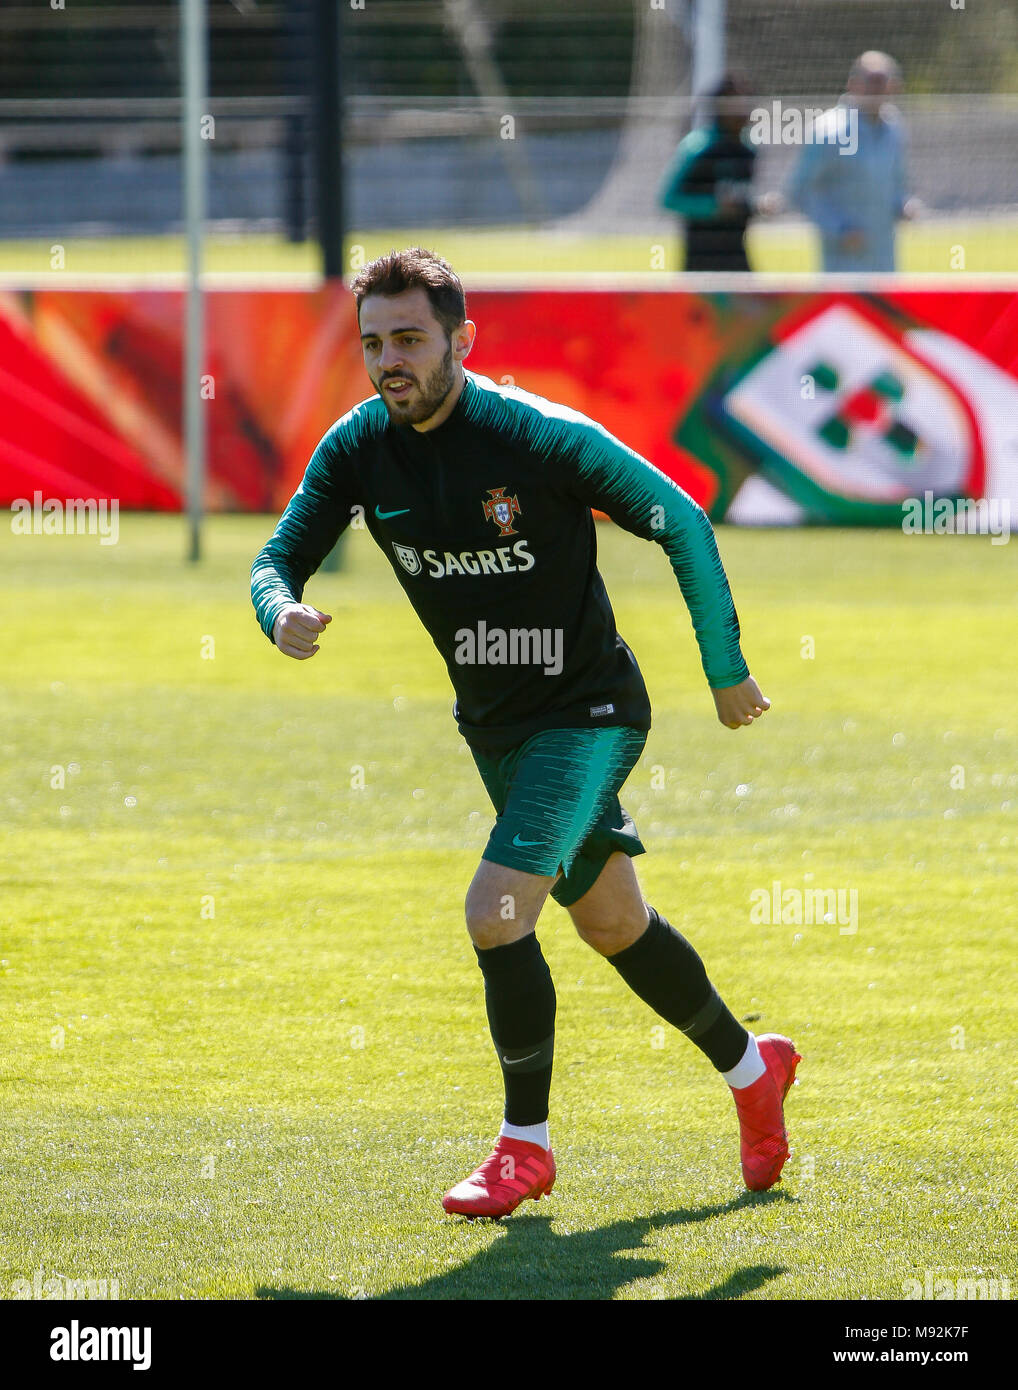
point(852, 242)
point(297, 627)
point(740, 704)
point(731, 197)
point(769, 205)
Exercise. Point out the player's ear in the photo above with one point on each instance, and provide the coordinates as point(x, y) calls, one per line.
point(463, 339)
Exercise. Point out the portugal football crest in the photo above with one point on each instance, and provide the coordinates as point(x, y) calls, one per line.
point(842, 416)
point(408, 558)
point(501, 509)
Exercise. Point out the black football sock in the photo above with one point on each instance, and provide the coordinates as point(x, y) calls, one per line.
point(664, 970)
point(520, 1000)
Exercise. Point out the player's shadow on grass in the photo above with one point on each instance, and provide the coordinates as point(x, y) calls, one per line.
point(532, 1261)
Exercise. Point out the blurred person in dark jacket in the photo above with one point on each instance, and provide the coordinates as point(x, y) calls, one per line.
point(709, 182)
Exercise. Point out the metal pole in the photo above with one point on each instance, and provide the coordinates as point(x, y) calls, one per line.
point(328, 15)
point(298, 53)
point(194, 62)
point(708, 51)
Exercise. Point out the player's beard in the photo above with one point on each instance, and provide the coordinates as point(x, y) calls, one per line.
point(426, 397)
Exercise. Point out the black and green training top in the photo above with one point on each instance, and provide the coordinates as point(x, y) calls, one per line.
point(486, 521)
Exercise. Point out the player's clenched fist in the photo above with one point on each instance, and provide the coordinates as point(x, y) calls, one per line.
point(297, 627)
point(740, 704)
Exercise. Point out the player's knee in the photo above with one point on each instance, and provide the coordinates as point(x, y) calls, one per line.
point(610, 934)
point(487, 921)
point(486, 932)
point(503, 905)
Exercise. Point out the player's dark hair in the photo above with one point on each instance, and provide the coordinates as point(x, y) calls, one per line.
point(728, 94)
point(415, 268)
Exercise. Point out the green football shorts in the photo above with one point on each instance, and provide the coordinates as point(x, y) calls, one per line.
point(556, 798)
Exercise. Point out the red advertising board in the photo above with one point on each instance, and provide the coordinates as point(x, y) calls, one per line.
point(774, 406)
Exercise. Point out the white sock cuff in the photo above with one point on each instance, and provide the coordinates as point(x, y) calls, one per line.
point(749, 1069)
point(530, 1134)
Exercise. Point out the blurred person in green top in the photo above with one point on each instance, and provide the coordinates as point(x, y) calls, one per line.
point(709, 182)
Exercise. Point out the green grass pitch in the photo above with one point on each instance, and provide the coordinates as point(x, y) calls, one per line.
point(943, 246)
point(244, 1049)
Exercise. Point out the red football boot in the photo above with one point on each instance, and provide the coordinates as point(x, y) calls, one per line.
point(764, 1141)
point(513, 1171)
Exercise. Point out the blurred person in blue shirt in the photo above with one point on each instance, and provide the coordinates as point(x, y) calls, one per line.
point(855, 191)
point(709, 182)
